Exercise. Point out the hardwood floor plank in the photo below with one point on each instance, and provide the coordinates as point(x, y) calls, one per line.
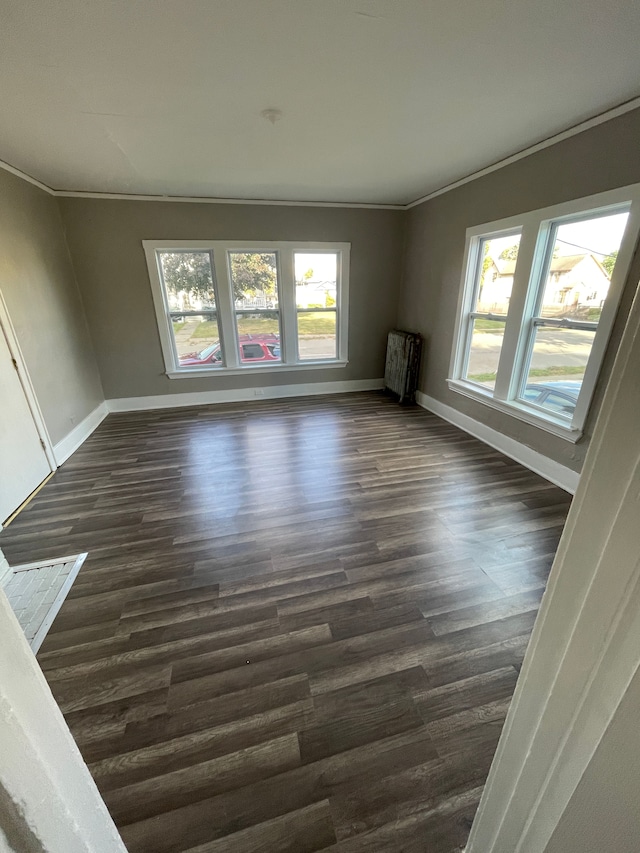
point(301, 831)
point(444, 828)
point(201, 745)
point(75, 694)
point(230, 707)
point(357, 715)
point(171, 790)
point(235, 810)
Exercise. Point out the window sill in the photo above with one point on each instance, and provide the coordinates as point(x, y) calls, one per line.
point(548, 423)
point(239, 371)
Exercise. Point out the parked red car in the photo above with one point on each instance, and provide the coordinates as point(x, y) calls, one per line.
point(253, 349)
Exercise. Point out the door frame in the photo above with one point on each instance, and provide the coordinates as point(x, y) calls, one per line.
point(584, 651)
point(9, 332)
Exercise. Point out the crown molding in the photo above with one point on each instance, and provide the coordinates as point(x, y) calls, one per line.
point(213, 200)
point(20, 174)
point(594, 121)
point(574, 130)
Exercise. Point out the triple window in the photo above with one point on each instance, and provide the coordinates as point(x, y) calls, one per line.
point(227, 306)
point(539, 296)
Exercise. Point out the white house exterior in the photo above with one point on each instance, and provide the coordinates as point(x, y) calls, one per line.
point(574, 281)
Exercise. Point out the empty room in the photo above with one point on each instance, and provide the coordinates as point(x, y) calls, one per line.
point(319, 446)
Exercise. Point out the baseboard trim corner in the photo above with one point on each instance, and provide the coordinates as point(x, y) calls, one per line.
point(241, 395)
point(79, 434)
point(553, 471)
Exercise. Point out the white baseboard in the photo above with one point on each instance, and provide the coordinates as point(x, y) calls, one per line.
point(238, 395)
point(79, 434)
point(556, 473)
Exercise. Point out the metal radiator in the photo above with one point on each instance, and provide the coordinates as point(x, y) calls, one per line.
point(402, 365)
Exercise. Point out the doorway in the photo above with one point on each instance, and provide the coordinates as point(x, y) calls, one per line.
point(25, 452)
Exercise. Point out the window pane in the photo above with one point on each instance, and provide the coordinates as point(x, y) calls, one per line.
point(557, 365)
point(497, 264)
point(316, 287)
point(188, 283)
point(316, 335)
point(254, 277)
point(584, 254)
point(197, 340)
point(484, 353)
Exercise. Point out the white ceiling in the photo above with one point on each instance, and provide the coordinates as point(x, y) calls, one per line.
point(383, 100)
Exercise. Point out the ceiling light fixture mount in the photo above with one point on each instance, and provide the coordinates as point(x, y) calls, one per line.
point(271, 114)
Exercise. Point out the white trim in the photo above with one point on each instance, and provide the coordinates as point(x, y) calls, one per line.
point(553, 471)
point(6, 327)
point(518, 410)
point(213, 200)
point(40, 564)
point(58, 601)
point(79, 434)
point(601, 118)
point(253, 368)
point(20, 174)
point(238, 395)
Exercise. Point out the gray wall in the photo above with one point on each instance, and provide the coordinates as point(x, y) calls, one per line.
point(39, 287)
point(105, 238)
point(599, 159)
point(603, 814)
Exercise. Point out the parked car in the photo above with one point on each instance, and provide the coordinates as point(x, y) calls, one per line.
point(560, 396)
point(253, 349)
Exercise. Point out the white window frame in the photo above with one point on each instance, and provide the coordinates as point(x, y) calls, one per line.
point(537, 228)
point(219, 249)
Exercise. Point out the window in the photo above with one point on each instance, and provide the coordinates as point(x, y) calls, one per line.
point(316, 304)
point(493, 280)
point(231, 307)
point(538, 299)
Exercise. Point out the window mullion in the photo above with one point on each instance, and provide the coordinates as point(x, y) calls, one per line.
point(517, 317)
point(226, 317)
point(288, 317)
point(342, 307)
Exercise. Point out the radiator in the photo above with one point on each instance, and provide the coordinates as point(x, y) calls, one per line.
point(402, 365)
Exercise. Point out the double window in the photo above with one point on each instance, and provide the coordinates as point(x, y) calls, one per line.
point(233, 307)
point(538, 299)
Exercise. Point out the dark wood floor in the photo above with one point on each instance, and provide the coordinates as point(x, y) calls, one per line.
point(299, 625)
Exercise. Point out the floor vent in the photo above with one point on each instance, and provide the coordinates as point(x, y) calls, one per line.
point(36, 592)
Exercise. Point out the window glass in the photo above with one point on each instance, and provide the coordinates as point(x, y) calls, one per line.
point(558, 402)
point(193, 316)
point(316, 275)
point(533, 325)
point(496, 267)
point(209, 295)
point(484, 352)
point(582, 260)
point(254, 279)
point(583, 256)
point(497, 258)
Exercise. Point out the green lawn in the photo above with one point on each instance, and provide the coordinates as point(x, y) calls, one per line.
point(308, 324)
point(556, 370)
point(177, 326)
point(482, 325)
